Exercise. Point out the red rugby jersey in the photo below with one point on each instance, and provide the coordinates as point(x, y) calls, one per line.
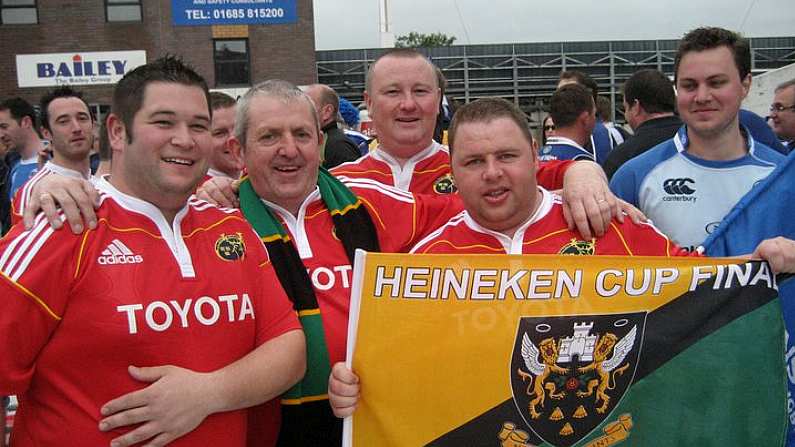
point(78, 309)
point(546, 232)
point(400, 218)
point(428, 172)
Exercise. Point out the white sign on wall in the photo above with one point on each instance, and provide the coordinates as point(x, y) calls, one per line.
point(79, 68)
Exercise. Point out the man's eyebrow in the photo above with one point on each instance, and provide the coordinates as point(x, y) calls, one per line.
point(163, 112)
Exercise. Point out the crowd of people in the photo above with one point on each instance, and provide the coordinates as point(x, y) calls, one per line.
point(200, 293)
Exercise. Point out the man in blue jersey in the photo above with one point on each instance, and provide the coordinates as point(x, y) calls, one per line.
point(18, 129)
point(600, 141)
point(686, 185)
point(573, 111)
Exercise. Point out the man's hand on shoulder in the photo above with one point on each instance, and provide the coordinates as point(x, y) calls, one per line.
point(221, 191)
point(588, 203)
point(77, 198)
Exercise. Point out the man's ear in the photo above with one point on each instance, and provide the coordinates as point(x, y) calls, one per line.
point(328, 113)
point(746, 85)
point(367, 102)
point(582, 120)
point(46, 133)
point(236, 148)
point(26, 122)
point(534, 153)
point(117, 133)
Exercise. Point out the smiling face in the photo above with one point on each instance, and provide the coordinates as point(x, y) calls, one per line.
point(710, 92)
point(403, 102)
point(494, 168)
point(71, 130)
point(168, 153)
point(281, 151)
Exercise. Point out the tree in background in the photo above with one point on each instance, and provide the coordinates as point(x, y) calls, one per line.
point(419, 40)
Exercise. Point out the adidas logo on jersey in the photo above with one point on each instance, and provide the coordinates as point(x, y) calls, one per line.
point(118, 253)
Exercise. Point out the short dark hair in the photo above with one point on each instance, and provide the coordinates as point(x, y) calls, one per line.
point(128, 96)
point(652, 89)
point(18, 108)
point(220, 100)
point(64, 91)
point(583, 79)
point(603, 106)
point(486, 110)
point(402, 53)
point(568, 103)
point(702, 39)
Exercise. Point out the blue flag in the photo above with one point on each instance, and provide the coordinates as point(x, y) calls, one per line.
point(766, 211)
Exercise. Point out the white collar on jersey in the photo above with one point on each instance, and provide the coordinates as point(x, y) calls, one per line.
point(513, 246)
point(295, 224)
point(172, 234)
point(402, 176)
point(567, 141)
point(682, 141)
point(216, 173)
point(66, 172)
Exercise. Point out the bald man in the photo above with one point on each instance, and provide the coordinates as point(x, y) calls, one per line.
point(337, 147)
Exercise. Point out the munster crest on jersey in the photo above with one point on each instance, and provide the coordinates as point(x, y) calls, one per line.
point(578, 247)
point(569, 373)
point(444, 185)
point(230, 247)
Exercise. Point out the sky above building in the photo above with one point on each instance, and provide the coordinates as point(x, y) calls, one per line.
point(343, 24)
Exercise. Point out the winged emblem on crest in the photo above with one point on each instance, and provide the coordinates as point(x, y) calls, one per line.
point(541, 363)
point(603, 366)
point(568, 373)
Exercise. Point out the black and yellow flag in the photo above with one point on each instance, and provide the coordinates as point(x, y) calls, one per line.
point(566, 351)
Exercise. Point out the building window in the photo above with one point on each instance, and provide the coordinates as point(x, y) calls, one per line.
point(123, 10)
point(231, 62)
point(14, 12)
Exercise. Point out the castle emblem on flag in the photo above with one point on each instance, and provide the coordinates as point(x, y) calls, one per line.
point(569, 373)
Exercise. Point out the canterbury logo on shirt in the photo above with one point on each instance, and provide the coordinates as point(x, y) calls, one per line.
point(118, 253)
point(679, 186)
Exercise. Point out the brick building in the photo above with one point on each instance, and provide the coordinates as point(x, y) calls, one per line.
point(228, 56)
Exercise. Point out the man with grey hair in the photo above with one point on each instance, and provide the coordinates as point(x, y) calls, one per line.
point(782, 113)
point(311, 223)
point(337, 148)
